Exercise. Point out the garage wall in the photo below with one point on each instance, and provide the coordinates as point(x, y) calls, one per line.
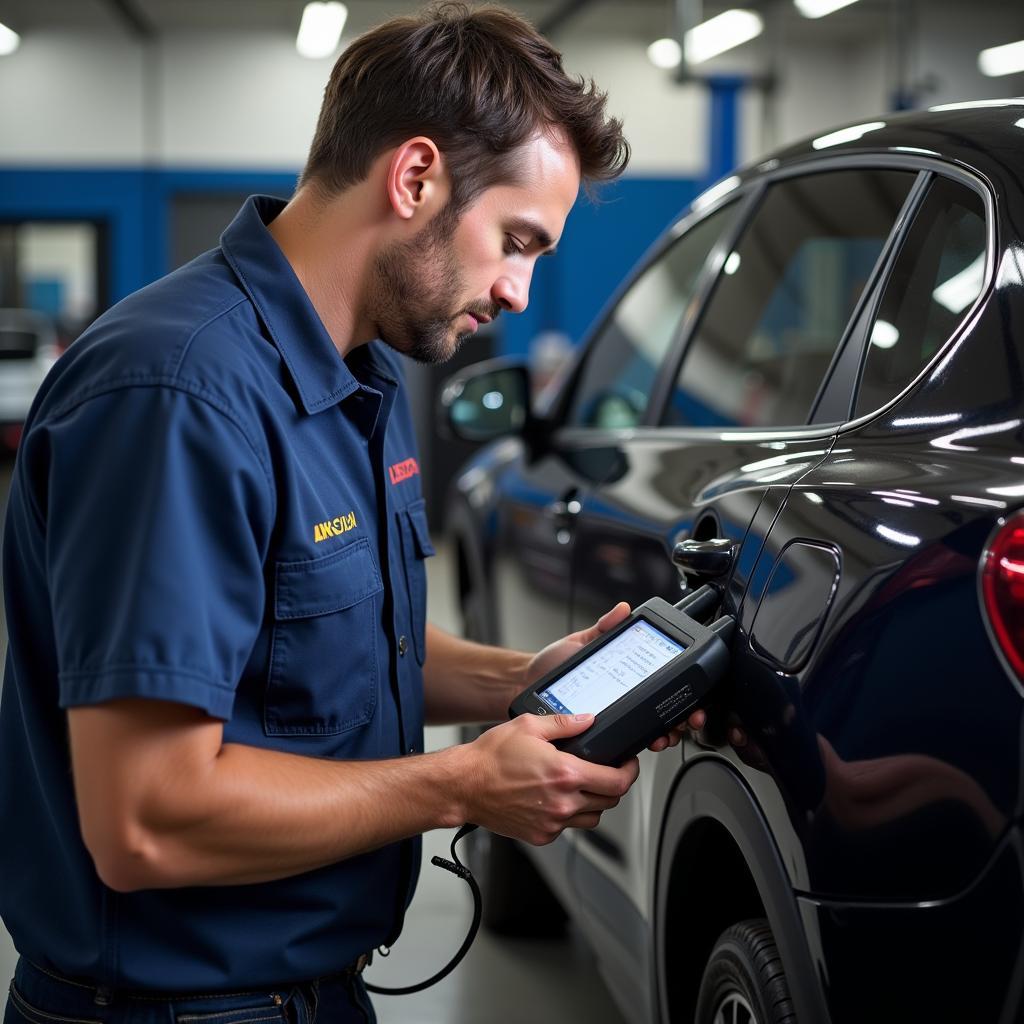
point(113, 129)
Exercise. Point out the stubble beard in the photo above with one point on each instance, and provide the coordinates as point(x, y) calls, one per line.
point(416, 287)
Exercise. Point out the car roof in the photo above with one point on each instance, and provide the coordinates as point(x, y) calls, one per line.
point(986, 136)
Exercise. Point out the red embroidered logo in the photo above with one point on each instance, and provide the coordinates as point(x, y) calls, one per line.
point(403, 470)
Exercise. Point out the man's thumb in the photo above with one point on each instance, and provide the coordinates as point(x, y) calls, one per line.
point(555, 727)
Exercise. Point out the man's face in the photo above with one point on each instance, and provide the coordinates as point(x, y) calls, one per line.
point(431, 293)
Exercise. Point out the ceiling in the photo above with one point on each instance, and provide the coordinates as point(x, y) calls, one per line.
point(556, 17)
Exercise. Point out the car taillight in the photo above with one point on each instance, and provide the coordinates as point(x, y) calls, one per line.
point(1002, 586)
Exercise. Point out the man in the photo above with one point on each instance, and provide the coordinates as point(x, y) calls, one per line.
point(213, 772)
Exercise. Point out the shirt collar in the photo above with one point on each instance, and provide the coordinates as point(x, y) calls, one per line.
point(315, 365)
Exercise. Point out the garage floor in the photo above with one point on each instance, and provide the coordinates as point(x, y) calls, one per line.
point(501, 981)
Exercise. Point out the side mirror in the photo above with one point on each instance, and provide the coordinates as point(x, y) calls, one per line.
point(486, 401)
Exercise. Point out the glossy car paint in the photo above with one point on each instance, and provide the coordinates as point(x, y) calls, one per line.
point(882, 761)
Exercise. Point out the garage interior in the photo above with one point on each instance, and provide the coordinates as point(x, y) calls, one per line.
point(133, 129)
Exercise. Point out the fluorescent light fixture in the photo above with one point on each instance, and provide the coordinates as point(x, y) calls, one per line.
point(819, 8)
point(884, 335)
point(665, 53)
point(961, 289)
point(721, 33)
point(851, 134)
point(320, 29)
point(1002, 60)
point(9, 40)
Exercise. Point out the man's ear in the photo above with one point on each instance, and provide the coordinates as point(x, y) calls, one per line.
point(417, 179)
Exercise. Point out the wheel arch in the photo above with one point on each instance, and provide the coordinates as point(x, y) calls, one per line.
point(718, 864)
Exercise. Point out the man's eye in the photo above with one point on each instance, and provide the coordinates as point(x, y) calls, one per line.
point(513, 245)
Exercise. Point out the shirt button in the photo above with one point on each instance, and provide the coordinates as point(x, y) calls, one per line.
point(403, 645)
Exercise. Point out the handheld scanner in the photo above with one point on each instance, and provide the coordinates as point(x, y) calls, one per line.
point(639, 679)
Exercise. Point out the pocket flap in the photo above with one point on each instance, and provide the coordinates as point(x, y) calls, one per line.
point(417, 513)
point(324, 585)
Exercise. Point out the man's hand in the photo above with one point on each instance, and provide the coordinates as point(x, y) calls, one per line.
point(555, 653)
point(517, 783)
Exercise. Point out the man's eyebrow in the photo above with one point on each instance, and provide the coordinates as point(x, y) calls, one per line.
point(531, 227)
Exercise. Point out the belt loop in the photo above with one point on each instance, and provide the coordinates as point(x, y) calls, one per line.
point(104, 996)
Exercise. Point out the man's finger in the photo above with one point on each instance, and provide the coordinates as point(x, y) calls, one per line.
point(557, 727)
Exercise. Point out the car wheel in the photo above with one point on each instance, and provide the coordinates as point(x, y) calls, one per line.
point(516, 899)
point(744, 982)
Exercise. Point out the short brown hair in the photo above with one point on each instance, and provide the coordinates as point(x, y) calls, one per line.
point(480, 83)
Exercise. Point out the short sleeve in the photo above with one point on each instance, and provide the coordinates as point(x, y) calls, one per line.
point(158, 508)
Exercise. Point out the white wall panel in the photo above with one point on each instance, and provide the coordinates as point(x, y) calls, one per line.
point(71, 99)
point(666, 124)
point(242, 101)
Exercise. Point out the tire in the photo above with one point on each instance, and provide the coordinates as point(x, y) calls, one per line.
point(744, 982)
point(516, 899)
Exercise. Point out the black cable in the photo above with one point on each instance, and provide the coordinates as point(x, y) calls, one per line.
point(456, 867)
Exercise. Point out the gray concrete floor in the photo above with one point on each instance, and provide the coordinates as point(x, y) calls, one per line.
point(501, 981)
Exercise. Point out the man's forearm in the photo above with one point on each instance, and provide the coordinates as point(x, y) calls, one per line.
point(161, 814)
point(469, 682)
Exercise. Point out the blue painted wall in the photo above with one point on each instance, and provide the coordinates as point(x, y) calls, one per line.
point(133, 203)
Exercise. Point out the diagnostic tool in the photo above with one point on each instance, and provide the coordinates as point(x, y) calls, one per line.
point(639, 679)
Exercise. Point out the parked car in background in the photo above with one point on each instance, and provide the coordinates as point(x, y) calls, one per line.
point(811, 395)
point(28, 348)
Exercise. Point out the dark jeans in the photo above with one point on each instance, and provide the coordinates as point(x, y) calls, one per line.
point(40, 997)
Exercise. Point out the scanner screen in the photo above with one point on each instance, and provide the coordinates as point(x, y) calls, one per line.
point(612, 670)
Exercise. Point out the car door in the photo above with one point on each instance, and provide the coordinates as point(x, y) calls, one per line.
point(719, 457)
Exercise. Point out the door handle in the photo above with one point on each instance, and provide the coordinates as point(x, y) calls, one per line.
point(708, 559)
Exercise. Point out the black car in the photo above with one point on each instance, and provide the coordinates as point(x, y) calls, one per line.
point(811, 395)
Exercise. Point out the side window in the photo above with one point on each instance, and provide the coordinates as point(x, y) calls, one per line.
point(784, 299)
point(615, 383)
point(936, 278)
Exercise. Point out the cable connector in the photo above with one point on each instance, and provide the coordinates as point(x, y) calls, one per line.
point(455, 869)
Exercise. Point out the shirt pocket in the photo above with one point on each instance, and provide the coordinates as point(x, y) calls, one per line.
point(323, 658)
point(416, 548)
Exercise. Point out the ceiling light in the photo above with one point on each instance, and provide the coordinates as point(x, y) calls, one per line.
point(665, 53)
point(819, 8)
point(721, 33)
point(9, 40)
point(850, 134)
point(1002, 60)
point(320, 29)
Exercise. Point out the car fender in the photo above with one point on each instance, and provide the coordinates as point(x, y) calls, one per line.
point(709, 788)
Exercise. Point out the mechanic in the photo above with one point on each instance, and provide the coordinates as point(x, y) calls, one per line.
point(212, 777)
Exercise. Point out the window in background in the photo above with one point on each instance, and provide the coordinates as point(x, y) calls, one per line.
point(784, 298)
point(54, 268)
point(615, 383)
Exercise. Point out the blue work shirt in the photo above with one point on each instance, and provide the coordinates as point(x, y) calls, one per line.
point(210, 506)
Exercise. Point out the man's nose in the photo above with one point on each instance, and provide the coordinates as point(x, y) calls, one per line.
point(512, 291)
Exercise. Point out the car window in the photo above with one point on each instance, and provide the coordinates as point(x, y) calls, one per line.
point(937, 276)
point(784, 298)
point(615, 383)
